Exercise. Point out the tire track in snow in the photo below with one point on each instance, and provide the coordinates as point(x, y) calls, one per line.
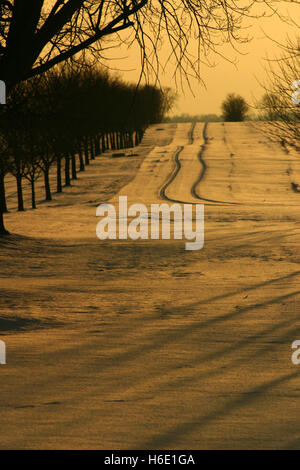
point(171, 178)
point(177, 169)
point(202, 173)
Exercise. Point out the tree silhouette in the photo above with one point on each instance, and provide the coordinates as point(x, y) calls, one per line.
point(282, 96)
point(36, 35)
point(267, 106)
point(234, 108)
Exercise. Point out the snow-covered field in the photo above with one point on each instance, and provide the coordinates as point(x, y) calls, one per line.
point(141, 344)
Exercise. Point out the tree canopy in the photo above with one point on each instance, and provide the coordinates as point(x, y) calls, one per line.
point(35, 35)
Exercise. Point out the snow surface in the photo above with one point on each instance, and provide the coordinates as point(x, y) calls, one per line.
point(143, 345)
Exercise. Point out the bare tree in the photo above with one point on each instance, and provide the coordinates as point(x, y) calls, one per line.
point(35, 35)
point(281, 102)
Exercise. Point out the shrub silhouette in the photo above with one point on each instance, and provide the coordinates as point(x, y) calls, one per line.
point(234, 108)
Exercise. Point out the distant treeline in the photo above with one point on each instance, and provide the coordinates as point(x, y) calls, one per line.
point(192, 118)
point(205, 118)
point(65, 118)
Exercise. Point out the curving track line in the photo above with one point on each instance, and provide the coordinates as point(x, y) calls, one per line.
point(191, 133)
point(201, 176)
point(173, 175)
point(171, 178)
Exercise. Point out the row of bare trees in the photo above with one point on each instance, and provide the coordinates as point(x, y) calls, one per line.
point(65, 118)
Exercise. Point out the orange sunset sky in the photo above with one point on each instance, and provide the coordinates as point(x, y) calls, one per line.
point(224, 77)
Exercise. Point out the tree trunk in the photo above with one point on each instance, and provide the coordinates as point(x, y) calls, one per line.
point(20, 193)
point(106, 140)
point(117, 140)
point(86, 152)
point(47, 185)
point(81, 162)
point(2, 195)
point(92, 148)
point(112, 141)
point(97, 145)
point(131, 144)
point(122, 140)
point(32, 182)
point(73, 161)
point(3, 230)
point(21, 54)
point(103, 143)
point(58, 175)
point(67, 171)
